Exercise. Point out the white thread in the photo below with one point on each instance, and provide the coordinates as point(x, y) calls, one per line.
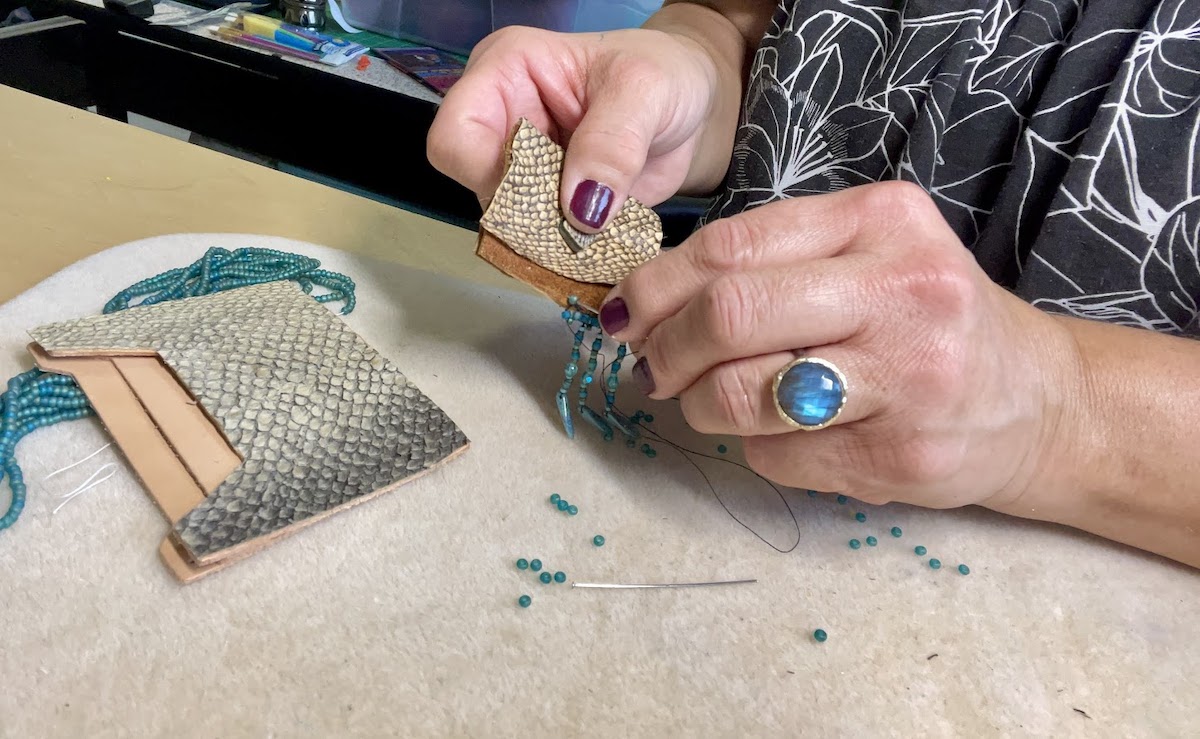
point(87, 485)
point(73, 466)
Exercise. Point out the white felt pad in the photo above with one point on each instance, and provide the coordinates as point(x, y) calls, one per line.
point(399, 617)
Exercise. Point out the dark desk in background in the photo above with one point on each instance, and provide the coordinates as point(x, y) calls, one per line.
point(361, 135)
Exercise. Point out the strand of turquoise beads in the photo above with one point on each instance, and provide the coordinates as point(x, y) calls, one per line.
point(36, 399)
point(581, 325)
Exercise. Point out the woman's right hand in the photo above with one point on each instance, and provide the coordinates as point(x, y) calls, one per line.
point(633, 108)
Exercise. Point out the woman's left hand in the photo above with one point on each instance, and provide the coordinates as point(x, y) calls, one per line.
point(954, 387)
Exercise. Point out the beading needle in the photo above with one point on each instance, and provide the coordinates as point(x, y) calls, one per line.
point(621, 586)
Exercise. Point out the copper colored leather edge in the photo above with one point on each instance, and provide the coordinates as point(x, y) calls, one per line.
point(556, 287)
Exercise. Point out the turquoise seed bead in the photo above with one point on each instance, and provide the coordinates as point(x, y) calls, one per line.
point(841, 499)
point(896, 532)
point(524, 601)
point(572, 510)
point(545, 577)
point(810, 393)
point(560, 576)
point(598, 540)
point(860, 517)
point(920, 551)
point(522, 564)
point(721, 449)
point(964, 570)
point(820, 635)
point(554, 498)
point(562, 504)
point(855, 543)
point(648, 418)
point(872, 541)
point(935, 564)
point(812, 493)
point(572, 300)
point(535, 564)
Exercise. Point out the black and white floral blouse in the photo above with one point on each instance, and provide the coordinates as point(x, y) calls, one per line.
point(1059, 138)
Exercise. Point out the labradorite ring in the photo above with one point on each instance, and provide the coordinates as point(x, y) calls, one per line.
point(809, 393)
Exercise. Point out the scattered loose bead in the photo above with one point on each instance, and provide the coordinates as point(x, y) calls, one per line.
point(841, 499)
point(648, 418)
point(554, 498)
point(560, 576)
point(598, 540)
point(964, 570)
point(935, 564)
point(562, 504)
point(855, 543)
point(820, 635)
point(860, 517)
point(721, 449)
point(524, 601)
point(535, 564)
point(545, 577)
point(896, 532)
point(812, 493)
point(872, 541)
point(920, 551)
point(522, 564)
point(572, 510)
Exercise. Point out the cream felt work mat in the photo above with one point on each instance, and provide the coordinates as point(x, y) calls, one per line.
point(398, 617)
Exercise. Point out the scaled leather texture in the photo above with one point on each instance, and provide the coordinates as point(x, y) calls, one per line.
point(525, 214)
point(319, 417)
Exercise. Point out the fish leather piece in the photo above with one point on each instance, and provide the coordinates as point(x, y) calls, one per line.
point(525, 214)
point(319, 417)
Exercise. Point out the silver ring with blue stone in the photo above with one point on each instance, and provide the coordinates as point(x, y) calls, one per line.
point(809, 393)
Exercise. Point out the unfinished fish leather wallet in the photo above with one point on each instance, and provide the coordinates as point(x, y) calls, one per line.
point(524, 235)
point(248, 414)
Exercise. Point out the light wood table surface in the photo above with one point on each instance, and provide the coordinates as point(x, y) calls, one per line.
point(73, 183)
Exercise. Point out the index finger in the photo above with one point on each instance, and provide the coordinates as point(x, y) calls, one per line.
point(774, 235)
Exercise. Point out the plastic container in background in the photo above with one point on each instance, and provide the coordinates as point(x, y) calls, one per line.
point(457, 25)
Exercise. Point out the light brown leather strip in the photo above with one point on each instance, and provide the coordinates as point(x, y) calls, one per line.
point(193, 436)
point(557, 288)
point(151, 457)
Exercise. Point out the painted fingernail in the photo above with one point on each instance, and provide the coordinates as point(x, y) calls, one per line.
point(643, 377)
point(591, 202)
point(614, 316)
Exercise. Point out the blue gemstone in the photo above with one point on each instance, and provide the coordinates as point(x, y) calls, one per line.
point(810, 393)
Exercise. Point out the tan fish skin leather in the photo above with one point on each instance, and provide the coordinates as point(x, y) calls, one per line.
point(524, 216)
point(320, 418)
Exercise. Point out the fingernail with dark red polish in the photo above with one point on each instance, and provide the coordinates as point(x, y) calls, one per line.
point(591, 202)
point(643, 376)
point(614, 316)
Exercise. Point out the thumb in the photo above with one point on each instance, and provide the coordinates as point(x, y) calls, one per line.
point(606, 155)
